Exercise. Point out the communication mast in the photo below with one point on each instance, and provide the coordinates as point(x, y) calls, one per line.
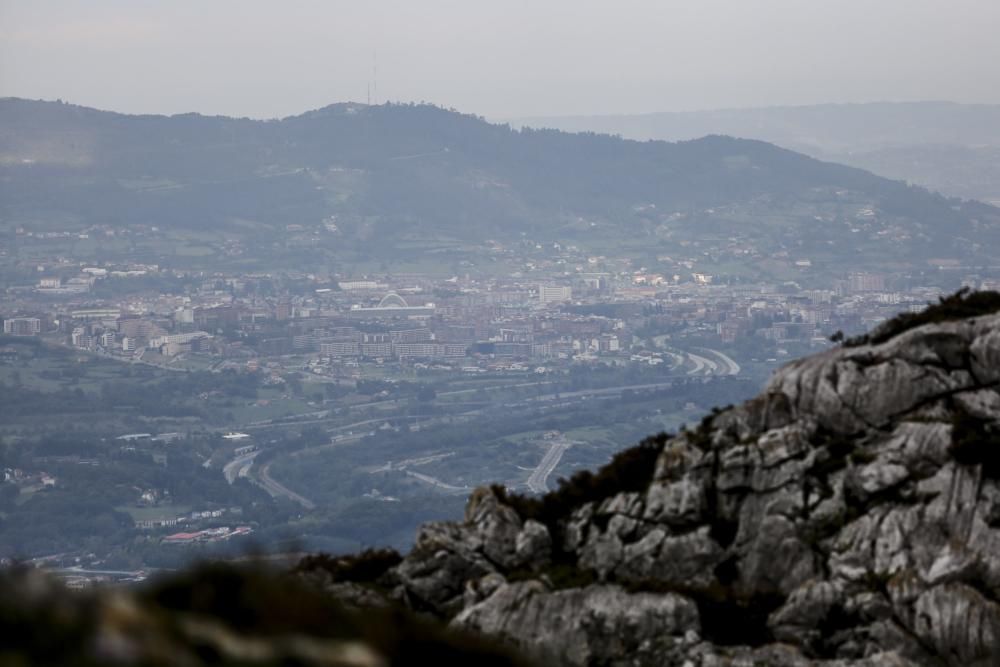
point(373, 82)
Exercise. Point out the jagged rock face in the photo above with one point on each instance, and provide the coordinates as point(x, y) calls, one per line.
point(594, 625)
point(849, 515)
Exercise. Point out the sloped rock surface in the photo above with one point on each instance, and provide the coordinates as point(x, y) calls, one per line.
point(600, 624)
point(849, 515)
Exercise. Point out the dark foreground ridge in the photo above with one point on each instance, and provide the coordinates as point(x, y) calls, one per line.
point(221, 615)
point(849, 515)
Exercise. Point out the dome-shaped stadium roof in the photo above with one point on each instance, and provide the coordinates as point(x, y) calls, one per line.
point(392, 300)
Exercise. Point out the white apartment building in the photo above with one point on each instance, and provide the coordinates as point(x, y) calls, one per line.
point(554, 293)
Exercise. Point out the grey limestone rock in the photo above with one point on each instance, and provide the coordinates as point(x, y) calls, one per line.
point(832, 520)
point(597, 625)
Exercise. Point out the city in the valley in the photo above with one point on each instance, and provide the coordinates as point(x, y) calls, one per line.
point(208, 409)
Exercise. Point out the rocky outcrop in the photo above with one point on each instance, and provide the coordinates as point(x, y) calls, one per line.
point(599, 624)
point(849, 515)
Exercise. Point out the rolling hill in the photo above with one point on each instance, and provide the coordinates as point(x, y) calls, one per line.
point(948, 147)
point(391, 175)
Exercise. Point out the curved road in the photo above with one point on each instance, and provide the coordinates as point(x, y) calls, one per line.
point(434, 481)
point(239, 467)
point(276, 488)
point(537, 481)
point(539, 477)
point(699, 364)
point(732, 368)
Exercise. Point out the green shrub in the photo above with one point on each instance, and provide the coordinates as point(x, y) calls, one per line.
point(958, 306)
point(630, 470)
point(560, 575)
point(975, 441)
point(729, 617)
point(365, 567)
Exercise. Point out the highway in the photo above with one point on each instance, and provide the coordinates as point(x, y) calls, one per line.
point(77, 570)
point(239, 467)
point(433, 481)
point(276, 488)
point(724, 364)
point(700, 364)
point(407, 463)
point(289, 422)
point(538, 479)
point(720, 364)
point(732, 368)
point(270, 423)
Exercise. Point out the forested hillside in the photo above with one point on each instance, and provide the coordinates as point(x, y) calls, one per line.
point(386, 175)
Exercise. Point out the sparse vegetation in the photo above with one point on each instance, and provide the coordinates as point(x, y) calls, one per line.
point(701, 437)
point(729, 617)
point(960, 305)
point(559, 576)
point(629, 470)
point(975, 441)
point(364, 567)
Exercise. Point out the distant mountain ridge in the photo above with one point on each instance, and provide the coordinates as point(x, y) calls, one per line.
point(396, 172)
point(954, 148)
point(828, 126)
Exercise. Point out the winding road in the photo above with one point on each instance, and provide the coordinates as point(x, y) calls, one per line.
point(239, 467)
point(539, 477)
point(434, 481)
point(732, 368)
point(700, 364)
point(276, 488)
point(537, 480)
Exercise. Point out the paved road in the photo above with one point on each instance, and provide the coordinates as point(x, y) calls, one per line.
point(731, 367)
point(292, 422)
point(720, 363)
point(270, 423)
point(407, 463)
point(200, 183)
point(700, 364)
point(727, 367)
point(276, 488)
point(418, 155)
point(604, 390)
point(538, 479)
point(434, 481)
point(239, 467)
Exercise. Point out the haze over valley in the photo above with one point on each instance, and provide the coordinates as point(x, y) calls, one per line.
point(324, 329)
point(663, 333)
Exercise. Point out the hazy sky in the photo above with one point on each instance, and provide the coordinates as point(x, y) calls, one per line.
point(498, 58)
